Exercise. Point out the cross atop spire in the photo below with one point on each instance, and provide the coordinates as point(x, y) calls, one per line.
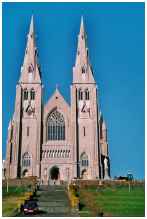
point(29, 71)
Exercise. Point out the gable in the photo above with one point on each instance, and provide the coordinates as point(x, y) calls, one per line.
point(57, 102)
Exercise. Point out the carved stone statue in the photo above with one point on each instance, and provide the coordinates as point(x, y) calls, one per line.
point(105, 163)
point(106, 175)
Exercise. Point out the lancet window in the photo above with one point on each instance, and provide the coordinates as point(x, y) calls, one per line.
point(80, 94)
point(26, 160)
point(87, 94)
point(25, 94)
point(32, 94)
point(84, 160)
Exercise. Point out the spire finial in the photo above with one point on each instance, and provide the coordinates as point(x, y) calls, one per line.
point(82, 21)
point(32, 25)
point(57, 86)
point(82, 25)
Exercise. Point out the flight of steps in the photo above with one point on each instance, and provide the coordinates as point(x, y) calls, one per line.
point(53, 201)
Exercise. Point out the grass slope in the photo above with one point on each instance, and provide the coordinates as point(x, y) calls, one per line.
point(117, 201)
point(10, 199)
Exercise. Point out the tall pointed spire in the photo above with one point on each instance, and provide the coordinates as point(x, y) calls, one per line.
point(82, 64)
point(29, 70)
point(82, 55)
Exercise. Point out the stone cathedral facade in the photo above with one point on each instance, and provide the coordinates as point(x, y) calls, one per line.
point(71, 139)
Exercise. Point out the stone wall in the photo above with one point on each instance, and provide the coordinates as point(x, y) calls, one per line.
point(21, 182)
point(86, 183)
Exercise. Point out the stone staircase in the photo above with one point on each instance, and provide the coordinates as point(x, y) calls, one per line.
point(53, 201)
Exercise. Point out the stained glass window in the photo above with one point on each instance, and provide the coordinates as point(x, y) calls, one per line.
point(55, 126)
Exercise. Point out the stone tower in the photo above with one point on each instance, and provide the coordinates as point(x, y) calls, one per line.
point(85, 113)
point(24, 138)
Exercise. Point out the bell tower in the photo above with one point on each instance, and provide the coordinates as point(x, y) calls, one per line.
point(84, 107)
point(31, 86)
point(26, 136)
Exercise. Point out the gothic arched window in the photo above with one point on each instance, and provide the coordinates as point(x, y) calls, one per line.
point(80, 94)
point(55, 126)
point(26, 160)
point(87, 94)
point(25, 94)
point(32, 94)
point(84, 160)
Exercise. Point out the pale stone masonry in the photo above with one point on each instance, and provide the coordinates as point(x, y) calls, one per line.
point(71, 137)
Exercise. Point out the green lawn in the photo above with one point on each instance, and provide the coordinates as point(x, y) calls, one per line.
point(116, 201)
point(10, 199)
point(13, 191)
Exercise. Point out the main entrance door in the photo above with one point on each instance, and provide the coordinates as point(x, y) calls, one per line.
point(25, 173)
point(84, 174)
point(54, 176)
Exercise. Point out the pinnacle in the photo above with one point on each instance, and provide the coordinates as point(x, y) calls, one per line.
point(104, 125)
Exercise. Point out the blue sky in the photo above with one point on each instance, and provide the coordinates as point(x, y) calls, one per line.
point(115, 34)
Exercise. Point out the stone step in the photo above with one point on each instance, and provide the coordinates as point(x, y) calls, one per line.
point(54, 201)
point(54, 209)
point(52, 198)
point(52, 204)
point(53, 195)
point(51, 187)
point(59, 214)
point(51, 192)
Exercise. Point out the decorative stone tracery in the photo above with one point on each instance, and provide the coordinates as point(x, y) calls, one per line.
point(56, 153)
point(55, 126)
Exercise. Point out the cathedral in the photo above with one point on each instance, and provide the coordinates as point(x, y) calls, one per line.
point(57, 141)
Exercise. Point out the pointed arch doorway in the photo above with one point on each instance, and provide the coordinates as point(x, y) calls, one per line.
point(54, 175)
point(25, 173)
point(84, 165)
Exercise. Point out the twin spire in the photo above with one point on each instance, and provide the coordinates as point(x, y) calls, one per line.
point(30, 71)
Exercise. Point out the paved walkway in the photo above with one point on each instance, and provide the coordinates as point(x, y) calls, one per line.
point(53, 202)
